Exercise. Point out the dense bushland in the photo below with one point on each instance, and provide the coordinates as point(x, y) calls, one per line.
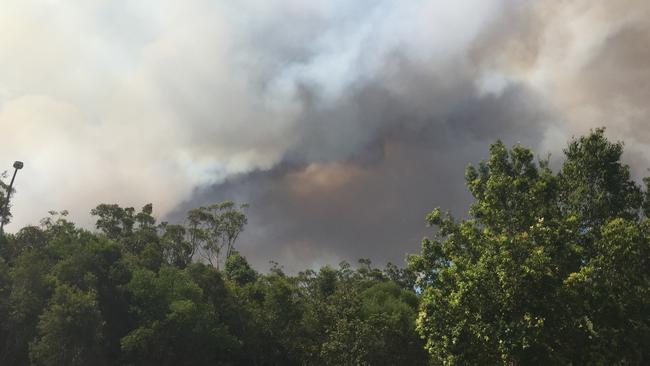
point(546, 268)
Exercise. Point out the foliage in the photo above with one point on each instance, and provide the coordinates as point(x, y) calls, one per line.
point(141, 293)
point(5, 209)
point(176, 326)
point(215, 228)
point(70, 330)
point(548, 268)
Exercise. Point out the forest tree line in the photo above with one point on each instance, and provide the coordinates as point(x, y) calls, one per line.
point(547, 267)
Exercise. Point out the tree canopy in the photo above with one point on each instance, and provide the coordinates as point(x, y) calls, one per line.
point(136, 292)
point(547, 267)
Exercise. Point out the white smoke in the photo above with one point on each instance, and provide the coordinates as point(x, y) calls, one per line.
point(136, 101)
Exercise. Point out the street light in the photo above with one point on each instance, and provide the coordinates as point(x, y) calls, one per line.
point(17, 166)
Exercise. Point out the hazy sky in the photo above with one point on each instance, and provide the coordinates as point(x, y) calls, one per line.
point(341, 122)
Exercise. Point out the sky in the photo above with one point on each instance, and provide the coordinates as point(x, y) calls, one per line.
point(341, 123)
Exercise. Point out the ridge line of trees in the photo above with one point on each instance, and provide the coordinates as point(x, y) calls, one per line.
point(548, 268)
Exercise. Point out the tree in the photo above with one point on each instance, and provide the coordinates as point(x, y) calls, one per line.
point(549, 268)
point(134, 230)
point(238, 270)
point(30, 291)
point(5, 213)
point(215, 228)
point(5, 307)
point(113, 220)
point(374, 327)
point(95, 264)
point(176, 326)
point(369, 319)
point(138, 293)
point(70, 330)
point(177, 250)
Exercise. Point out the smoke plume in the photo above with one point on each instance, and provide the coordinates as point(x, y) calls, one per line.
point(341, 123)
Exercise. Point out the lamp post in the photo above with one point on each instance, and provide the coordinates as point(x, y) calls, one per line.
point(17, 166)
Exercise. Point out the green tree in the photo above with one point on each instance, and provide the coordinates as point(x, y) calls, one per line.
point(5, 308)
point(5, 210)
point(134, 230)
point(95, 264)
point(238, 270)
point(548, 268)
point(176, 326)
point(177, 250)
point(215, 228)
point(31, 289)
point(113, 220)
point(272, 320)
point(371, 320)
point(70, 330)
point(138, 293)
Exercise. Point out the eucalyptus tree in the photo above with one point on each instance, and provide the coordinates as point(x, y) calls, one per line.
point(213, 230)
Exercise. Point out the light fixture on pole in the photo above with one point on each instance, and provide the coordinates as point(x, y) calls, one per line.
point(17, 166)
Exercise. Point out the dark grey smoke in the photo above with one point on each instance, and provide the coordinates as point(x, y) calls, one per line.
point(385, 157)
point(373, 158)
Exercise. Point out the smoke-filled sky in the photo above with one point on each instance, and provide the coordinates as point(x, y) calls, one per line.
point(342, 123)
